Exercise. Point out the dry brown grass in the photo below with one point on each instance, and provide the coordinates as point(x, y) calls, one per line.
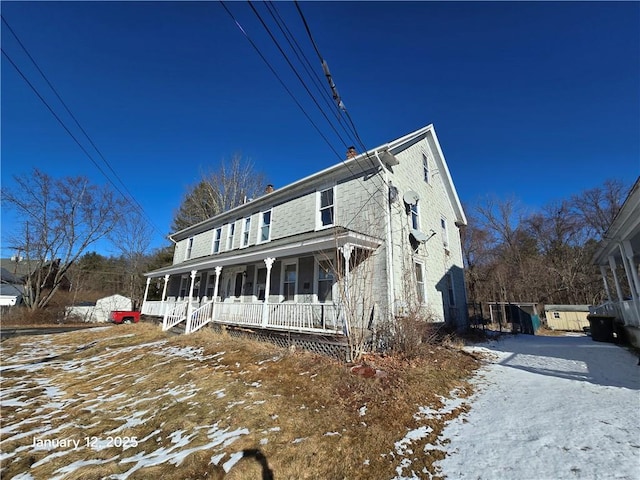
point(304, 411)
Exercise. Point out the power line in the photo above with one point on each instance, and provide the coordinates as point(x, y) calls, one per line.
point(130, 197)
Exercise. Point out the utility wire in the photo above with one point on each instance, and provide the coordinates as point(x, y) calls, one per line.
point(297, 74)
point(278, 77)
point(371, 195)
point(130, 197)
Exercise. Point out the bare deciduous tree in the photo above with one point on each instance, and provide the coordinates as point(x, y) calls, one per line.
point(217, 191)
point(59, 219)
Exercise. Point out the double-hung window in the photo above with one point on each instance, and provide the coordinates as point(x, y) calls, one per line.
point(326, 279)
point(326, 207)
point(451, 290)
point(246, 227)
point(425, 167)
point(230, 232)
point(445, 231)
point(415, 216)
point(217, 235)
point(264, 232)
point(289, 281)
point(187, 254)
point(420, 282)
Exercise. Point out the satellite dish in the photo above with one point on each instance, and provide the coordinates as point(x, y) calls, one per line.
point(419, 236)
point(411, 197)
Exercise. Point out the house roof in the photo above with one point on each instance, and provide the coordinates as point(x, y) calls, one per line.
point(364, 162)
point(625, 226)
point(7, 277)
point(309, 242)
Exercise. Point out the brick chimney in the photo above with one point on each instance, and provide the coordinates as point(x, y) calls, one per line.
point(351, 152)
point(269, 189)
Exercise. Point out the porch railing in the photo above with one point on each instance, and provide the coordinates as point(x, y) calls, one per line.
point(628, 311)
point(174, 314)
point(309, 317)
point(304, 316)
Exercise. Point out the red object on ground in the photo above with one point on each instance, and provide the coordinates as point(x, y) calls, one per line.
point(124, 316)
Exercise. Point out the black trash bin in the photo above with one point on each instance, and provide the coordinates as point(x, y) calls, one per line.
point(601, 328)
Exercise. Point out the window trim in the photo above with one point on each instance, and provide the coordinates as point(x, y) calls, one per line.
point(245, 240)
point(217, 240)
point(444, 227)
point(231, 232)
point(425, 167)
point(414, 213)
point(451, 291)
point(189, 249)
point(283, 271)
point(421, 265)
point(319, 225)
point(316, 279)
point(261, 225)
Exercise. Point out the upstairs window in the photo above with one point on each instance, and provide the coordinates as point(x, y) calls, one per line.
point(217, 235)
point(415, 216)
point(187, 254)
point(264, 232)
point(326, 210)
point(425, 167)
point(230, 233)
point(246, 227)
point(445, 231)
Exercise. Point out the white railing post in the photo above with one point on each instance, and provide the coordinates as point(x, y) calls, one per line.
point(189, 306)
point(146, 292)
point(267, 286)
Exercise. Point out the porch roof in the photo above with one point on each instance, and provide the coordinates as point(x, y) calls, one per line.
point(283, 247)
point(625, 226)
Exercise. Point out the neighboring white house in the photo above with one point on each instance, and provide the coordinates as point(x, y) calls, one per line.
point(11, 289)
point(621, 245)
point(99, 312)
point(347, 249)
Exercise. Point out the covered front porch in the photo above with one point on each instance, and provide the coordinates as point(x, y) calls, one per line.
point(618, 258)
point(299, 286)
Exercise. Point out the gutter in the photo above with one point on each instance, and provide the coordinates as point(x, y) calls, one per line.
point(389, 250)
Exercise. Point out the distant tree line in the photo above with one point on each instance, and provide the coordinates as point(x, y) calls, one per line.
point(544, 256)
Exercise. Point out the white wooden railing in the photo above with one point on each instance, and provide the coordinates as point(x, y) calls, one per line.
point(304, 317)
point(627, 311)
point(174, 314)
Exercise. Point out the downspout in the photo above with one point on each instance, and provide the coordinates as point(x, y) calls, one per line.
point(389, 247)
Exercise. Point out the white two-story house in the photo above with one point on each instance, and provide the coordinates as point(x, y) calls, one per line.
point(343, 252)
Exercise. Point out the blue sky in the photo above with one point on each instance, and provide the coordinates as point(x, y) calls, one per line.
point(539, 100)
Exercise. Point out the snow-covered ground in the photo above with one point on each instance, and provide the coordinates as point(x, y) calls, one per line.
point(549, 408)
point(545, 408)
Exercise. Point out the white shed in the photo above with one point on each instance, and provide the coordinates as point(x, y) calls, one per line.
point(99, 313)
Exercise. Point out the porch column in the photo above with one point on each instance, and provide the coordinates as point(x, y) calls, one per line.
point(632, 278)
point(267, 286)
point(189, 306)
point(634, 282)
point(612, 264)
point(165, 310)
point(346, 253)
point(146, 291)
point(215, 290)
point(603, 272)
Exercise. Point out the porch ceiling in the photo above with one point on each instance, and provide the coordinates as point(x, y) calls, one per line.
point(286, 247)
